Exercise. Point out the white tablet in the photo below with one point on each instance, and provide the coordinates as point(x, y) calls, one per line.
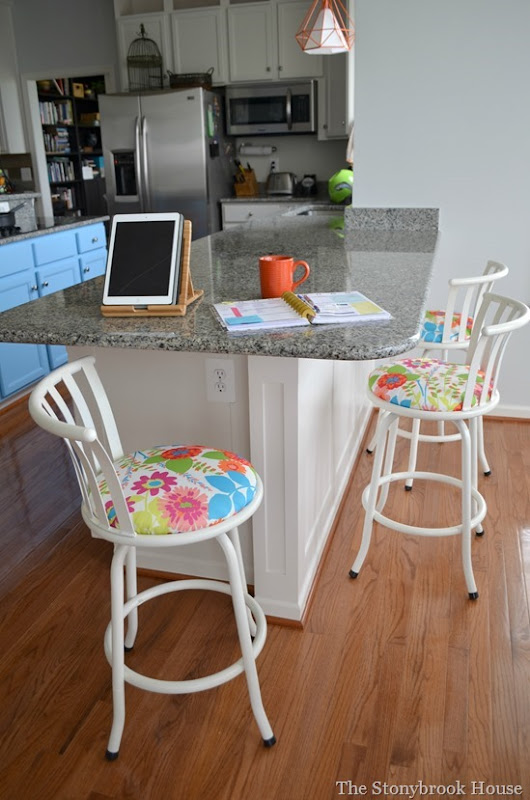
point(143, 264)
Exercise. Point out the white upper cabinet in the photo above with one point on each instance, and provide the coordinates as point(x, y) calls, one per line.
point(199, 42)
point(293, 62)
point(242, 41)
point(262, 44)
point(156, 28)
point(335, 98)
point(251, 43)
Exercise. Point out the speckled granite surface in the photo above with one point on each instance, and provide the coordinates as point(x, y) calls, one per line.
point(45, 226)
point(392, 267)
point(390, 219)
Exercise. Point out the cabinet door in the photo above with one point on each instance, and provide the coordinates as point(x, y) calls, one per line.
point(90, 237)
point(251, 44)
point(200, 42)
point(156, 28)
point(334, 109)
point(54, 246)
point(292, 61)
point(51, 279)
point(20, 364)
point(93, 264)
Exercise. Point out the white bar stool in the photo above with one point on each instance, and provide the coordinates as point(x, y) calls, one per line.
point(440, 391)
point(449, 332)
point(161, 497)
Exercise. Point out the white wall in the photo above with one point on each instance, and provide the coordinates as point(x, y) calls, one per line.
point(443, 119)
point(302, 154)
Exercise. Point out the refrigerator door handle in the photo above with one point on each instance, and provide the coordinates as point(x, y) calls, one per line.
point(145, 164)
point(138, 162)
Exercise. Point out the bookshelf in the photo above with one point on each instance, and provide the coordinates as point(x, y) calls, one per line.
point(69, 115)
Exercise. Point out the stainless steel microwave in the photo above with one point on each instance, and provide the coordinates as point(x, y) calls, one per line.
point(266, 108)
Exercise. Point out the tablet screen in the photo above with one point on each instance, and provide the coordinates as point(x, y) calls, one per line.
point(144, 259)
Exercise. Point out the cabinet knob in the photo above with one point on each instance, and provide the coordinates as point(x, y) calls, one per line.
point(45, 283)
point(94, 239)
point(280, 69)
point(86, 269)
point(250, 214)
point(268, 69)
point(34, 288)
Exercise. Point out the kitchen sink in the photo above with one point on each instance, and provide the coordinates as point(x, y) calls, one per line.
point(322, 212)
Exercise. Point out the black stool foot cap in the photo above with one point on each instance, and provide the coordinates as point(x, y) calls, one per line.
point(353, 574)
point(480, 533)
point(488, 473)
point(269, 742)
point(369, 451)
point(408, 488)
point(111, 756)
point(473, 595)
point(127, 649)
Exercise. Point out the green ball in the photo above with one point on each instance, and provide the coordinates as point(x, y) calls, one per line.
point(340, 186)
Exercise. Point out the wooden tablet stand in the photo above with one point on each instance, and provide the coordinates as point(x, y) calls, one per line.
point(187, 293)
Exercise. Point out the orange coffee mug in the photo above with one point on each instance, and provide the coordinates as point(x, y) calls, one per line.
point(276, 274)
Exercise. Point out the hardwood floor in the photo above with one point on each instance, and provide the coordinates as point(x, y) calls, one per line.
point(397, 677)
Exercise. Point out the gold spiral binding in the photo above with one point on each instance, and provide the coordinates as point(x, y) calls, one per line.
point(300, 306)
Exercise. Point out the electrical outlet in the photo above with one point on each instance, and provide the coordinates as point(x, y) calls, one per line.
point(274, 162)
point(220, 380)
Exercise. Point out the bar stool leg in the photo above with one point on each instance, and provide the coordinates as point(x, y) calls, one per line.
point(413, 452)
point(384, 423)
point(486, 469)
point(474, 430)
point(371, 445)
point(389, 461)
point(251, 673)
point(132, 591)
point(118, 658)
point(467, 483)
point(233, 535)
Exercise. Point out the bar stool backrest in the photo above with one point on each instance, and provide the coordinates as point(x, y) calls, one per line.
point(465, 297)
point(72, 403)
point(496, 320)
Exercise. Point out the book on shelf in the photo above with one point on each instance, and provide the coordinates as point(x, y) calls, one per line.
point(294, 310)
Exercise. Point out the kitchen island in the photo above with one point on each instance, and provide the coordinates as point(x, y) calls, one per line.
point(297, 405)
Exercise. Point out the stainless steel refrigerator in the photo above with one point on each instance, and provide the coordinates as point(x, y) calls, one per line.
point(166, 151)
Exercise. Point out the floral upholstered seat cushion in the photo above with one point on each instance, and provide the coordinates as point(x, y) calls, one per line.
point(181, 489)
point(426, 384)
point(433, 326)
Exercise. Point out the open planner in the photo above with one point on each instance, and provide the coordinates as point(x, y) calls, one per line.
point(292, 310)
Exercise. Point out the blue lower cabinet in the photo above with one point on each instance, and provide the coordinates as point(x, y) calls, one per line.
point(21, 365)
point(51, 278)
point(35, 268)
point(93, 264)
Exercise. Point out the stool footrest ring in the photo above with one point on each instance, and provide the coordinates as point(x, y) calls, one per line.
point(193, 684)
point(479, 515)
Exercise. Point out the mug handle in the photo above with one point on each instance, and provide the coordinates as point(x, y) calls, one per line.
point(305, 265)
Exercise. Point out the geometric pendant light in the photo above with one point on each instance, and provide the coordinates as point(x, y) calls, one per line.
point(326, 29)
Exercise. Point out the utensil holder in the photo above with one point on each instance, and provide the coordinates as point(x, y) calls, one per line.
point(248, 185)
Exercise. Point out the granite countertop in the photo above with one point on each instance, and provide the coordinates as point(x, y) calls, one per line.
point(321, 197)
point(388, 258)
point(49, 225)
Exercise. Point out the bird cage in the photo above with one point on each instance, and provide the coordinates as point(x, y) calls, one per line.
point(144, 64)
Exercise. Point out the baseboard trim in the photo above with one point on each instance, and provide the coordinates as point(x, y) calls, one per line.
point(508, 412)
